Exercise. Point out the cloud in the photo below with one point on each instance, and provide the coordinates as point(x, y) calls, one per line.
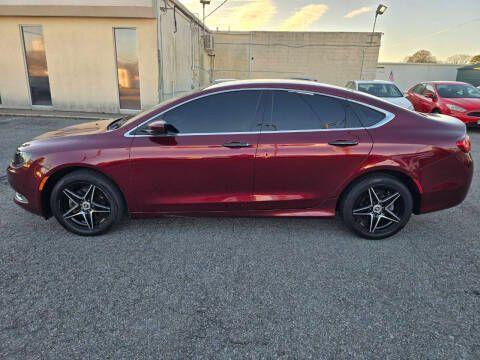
point(304, 17)
point(357, 12)
point(237, 14)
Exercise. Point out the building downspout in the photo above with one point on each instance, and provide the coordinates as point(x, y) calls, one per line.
point(161, 95)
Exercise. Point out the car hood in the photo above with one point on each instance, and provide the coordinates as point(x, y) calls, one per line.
point(88, 128)
point(467, 104)
point(400, 101)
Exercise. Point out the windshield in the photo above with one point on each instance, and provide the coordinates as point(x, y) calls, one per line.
point(458, 91)
point(380, 90)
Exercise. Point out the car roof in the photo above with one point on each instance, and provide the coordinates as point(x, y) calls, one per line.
point(445, 82)
point(373, 82)
point(270, 82)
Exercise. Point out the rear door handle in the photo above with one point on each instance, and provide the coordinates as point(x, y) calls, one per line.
point(343, 143)
point(236, 144)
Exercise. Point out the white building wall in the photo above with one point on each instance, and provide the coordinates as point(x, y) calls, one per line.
point(406, 75)
point(184, 61)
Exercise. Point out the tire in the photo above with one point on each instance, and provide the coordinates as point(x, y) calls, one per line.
point(86, 203)
point(380, 213)
point(436, 111)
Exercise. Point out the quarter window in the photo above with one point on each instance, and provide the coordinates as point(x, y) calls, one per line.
point(233, 111)
point(368, 116)
point(297, 111)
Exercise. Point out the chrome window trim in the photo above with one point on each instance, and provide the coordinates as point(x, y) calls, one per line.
point(388, 115)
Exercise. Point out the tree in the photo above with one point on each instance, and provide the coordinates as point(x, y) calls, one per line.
point(421, 56)
point(459, 59)
point(475, 59)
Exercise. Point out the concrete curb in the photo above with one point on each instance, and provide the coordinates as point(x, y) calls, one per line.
point(57, 114)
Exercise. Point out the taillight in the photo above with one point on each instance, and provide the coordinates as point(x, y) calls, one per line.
point(464, 144)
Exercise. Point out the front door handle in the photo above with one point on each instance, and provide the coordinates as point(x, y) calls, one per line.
point(236, 144)
point(343, 143)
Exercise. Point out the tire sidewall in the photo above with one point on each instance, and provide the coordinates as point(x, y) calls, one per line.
point(362, 186)
point(99, 181)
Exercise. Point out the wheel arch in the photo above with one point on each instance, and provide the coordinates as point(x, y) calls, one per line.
point(412, 185)
point(54, 176)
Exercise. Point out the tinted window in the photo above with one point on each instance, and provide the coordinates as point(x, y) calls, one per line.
point(296, 111)
point(367, 115)
point(226, 112)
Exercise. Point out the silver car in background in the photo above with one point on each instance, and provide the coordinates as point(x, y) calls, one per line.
point(386, 90)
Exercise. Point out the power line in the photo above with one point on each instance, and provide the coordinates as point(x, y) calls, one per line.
point(218, 7)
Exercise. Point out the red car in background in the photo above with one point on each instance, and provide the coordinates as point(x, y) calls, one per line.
point(457, 99)
point(250, 148)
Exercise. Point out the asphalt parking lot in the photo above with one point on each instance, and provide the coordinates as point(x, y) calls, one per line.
point(236, 288)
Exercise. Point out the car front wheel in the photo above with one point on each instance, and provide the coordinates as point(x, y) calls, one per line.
point(86, 203)
point(377, 207)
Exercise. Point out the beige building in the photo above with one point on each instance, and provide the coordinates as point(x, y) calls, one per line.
point(328, 57)
point(77, 55)
point(127, 55)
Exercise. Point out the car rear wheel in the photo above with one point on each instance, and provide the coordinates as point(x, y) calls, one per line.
point(86, 203)
point(377, 207)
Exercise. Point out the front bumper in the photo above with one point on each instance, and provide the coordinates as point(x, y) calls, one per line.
point(26, 186)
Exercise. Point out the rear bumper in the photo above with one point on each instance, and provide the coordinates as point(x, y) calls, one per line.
point(451, 183)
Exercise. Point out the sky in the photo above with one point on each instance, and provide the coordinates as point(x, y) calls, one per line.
point(445, 27)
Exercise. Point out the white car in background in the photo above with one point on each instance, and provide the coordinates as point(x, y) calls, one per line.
point(386, 90)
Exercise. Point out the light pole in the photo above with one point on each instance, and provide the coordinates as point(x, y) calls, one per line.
point(380, 11)
point(204, 3)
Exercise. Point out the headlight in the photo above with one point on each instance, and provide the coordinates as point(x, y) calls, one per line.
point(21, 158)
point(456, 108)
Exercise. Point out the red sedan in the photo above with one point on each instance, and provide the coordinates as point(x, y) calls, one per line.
point(250, 148)
point(452, 98)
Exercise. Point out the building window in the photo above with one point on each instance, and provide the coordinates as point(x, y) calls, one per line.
point(127, 68)
point(36, 65)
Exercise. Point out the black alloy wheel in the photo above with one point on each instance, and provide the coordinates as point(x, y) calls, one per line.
point(377, 207)
point(86, 203)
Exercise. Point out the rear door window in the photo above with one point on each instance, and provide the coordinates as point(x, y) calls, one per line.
point(304, 111)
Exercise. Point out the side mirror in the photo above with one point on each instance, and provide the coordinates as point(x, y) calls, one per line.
point(157, 127)
point(430, 95)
